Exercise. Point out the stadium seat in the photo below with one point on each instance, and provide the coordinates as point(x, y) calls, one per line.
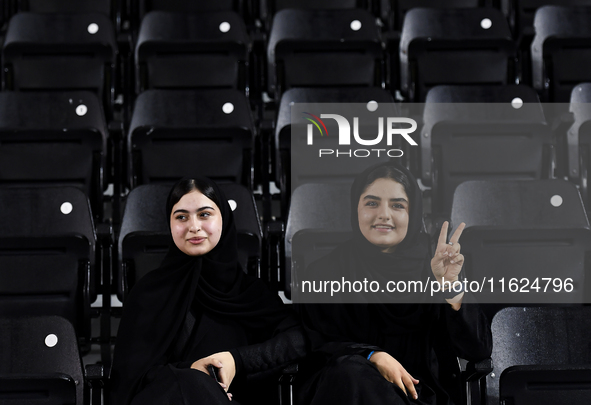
point(522, 235)
point(55, 138)
point(192, 50)
point(60, 52)
point(145, 236)
point(474, 45)
point(578, 141)
point(47, 262)
point(41, 364)
point(323, 48)
point(268, 8)
point(176, 132)
point(561, 51)
point(143, 7)
point(541, 356)
point(488, 132)
point(343, 170)
point(318, 220)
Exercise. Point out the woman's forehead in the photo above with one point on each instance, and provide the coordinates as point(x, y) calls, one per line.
point(194, 200)
point(385, 188)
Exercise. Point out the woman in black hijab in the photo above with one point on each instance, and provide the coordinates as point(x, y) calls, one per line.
point(200, 309)
point(385, 353)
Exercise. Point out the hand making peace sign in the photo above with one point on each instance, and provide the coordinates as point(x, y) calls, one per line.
point(447, 261)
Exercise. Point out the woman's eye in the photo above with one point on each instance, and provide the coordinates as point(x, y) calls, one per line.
point(181, 218)
point(371, 204)
point(399, 206)
point(204, 214)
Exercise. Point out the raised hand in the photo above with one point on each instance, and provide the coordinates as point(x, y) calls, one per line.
point(447, 261)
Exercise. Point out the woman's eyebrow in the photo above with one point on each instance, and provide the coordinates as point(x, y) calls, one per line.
point(198, 210)
point(371, 197)
point(399, 199)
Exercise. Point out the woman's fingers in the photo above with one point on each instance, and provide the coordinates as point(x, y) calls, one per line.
point(442, 236)
point(456, 236)
point(410, 385)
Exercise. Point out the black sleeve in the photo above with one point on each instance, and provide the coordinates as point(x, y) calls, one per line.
point(262, 359)
point(469, 331)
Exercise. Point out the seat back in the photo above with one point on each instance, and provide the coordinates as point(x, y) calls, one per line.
point(60, 52)
point(474, 44)
point(560, 49)
point(145, 233)
point(540, 356)
point(54, 139)
point(47, 259)
point(466, 137)
point(39, 362)
point(531, 238)
point(185, 50)
point(323, 48)
point(175, 132)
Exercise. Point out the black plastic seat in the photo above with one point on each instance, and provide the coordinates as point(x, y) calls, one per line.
point(541, 356)
point(561, 51)
point(60, 52)
point(56, 138)
point(323, 48)
point(192, 50)
point(40, 363)
point(528, 233)
point(454, 47)
point(142, 7)
point(282, 153)
point(312, 233)
point(145, 233)
point(176, 132)
point(47, 260)
point(268, 8)
point(578, 141)
point(488, 132)
point(110, 8)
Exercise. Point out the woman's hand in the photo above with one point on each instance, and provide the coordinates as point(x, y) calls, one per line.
point(224, 362)
point(393, 371)
point(447, 261)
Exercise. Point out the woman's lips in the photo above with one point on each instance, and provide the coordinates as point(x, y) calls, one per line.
point(383, 227)
point(196, 241)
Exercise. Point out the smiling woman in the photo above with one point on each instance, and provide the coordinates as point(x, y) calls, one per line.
point(198, 330)
point(382, 353)
point(195, 224)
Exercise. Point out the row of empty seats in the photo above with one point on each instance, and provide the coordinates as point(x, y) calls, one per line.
point(215, 50)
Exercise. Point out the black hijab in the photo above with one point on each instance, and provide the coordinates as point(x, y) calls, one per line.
point(336, 328)
point(156, 307)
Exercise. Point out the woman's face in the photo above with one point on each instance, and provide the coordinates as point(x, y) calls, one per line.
point(195, 224)
point(383, 214)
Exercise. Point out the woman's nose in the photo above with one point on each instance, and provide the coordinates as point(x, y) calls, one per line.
point(383, 213)
point(194, 226)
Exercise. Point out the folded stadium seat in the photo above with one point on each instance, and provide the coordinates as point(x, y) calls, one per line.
point(281, 154)
point(401, 7)
point(145, 234)
point(60, 52)
point(177, 132)
point(54, 138)
point(520, 236)
point(561, 51)
point(41, 364)
point(482, 132)
point(454, 47)
point(578, 142)
point(323, 48)
point(541, 356)
point(47, 260)
point(315, 228)
point(192, 50)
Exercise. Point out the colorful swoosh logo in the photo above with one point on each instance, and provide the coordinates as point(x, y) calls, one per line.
point(316, 123)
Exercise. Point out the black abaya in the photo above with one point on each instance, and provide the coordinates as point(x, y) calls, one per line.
point(344, 334)
point(192, 307)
